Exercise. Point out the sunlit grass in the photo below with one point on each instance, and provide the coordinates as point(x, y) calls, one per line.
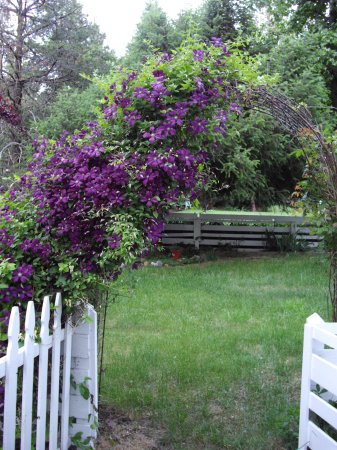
point(212, 352)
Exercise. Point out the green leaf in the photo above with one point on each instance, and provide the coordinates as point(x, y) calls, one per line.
point(84, 391)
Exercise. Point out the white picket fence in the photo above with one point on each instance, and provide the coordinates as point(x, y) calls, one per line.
point(319, 368)
point(42, 419)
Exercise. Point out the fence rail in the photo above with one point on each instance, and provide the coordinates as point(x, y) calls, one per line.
point(319, 368)
point(48, 360)
point(239, 231)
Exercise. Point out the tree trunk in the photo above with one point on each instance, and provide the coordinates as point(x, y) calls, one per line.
point(333, 85)
point(333, 12)
point(18, 59)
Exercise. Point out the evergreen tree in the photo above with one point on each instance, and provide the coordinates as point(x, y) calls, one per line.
point(154, 33)
point(225, 19)
point(188, 21)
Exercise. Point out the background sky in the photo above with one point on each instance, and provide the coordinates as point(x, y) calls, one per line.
point(118, 18)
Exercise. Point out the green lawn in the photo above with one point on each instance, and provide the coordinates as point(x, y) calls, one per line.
point(212, 352)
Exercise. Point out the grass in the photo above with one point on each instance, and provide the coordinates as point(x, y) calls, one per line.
point(212, 352)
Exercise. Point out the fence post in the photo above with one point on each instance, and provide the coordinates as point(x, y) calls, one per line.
point(11, 380)
point(68, 334)
point(41, 418)
point(28, 379)
point(197, 231)
point(309, 347)
point(55, 375)
point(83, 409)
point(293, 229)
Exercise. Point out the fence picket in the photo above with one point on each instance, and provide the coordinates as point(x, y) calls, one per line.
point(28, 379)
point(66, 386)
point(11, 380)
point(94, 369)
point(43, 374)
point(55, 375)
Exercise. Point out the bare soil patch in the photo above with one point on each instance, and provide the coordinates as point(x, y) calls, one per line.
point(118, 431)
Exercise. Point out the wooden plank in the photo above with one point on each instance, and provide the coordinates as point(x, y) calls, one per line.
point(321, 334)
point(43, 376)
point(66, 386)
point(309, 239)
point(80, 363)
point(330, 327)
point(250, 250)
point(323, 409)
point(80, 345)
point(245, 228)
point(318, 440)
point(93, 357)
point(303, 435)
point(183, 235)
point(324, 373)
point(28, 379)
point(79, 407)
point(238, 218)
point(239, 229)
point(204, 216)
point(303, 230)
point(178, 227)
point(78, 376)
point(329, 355)
point(239, 237)
point(177, 241)
point(233, 243)
point(181, 217)
point(55, 375)
point(11, 380)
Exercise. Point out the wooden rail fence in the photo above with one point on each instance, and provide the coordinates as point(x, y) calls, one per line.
point(237, 231)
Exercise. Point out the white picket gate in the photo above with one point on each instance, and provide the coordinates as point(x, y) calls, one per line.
point(43, 422)
point(319, 368)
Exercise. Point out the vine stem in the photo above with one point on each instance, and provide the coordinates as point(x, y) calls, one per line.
point(103, 338)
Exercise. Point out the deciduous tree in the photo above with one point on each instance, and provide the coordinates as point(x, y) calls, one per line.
point(44, 44)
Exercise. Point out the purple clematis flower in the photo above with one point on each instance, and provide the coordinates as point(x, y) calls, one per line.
point(217, 42)
point(22, 273)
point(198, 55)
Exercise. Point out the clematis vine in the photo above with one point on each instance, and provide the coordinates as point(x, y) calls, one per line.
point(93, 202)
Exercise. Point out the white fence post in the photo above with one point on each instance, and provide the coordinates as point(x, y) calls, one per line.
point(43, 376)
point(68, 334)
point(55, 375)
point(11, 380)
point(84, 370)
point(306, 379)
point(319, 367)
point(27, 379)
